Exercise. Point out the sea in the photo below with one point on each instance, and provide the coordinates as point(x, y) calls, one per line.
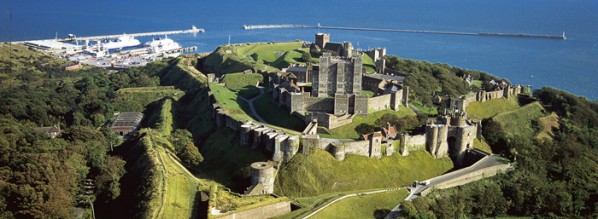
point(570, 64)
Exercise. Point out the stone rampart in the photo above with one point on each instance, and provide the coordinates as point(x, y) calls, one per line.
point(471, 177)
point(379, 103)
point(267, 211)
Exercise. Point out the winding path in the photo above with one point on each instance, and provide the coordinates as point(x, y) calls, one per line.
point(250, 102)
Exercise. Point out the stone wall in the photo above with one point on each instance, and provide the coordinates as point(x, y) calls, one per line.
point(267, 211)
point(379, 103)
point(471, 177)
point(412, 143)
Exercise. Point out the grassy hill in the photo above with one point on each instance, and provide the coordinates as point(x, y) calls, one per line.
point(320, 173)
point(519, 121)
point(183, 75)
point(243, 84)
point(256, 56)
point(490, 108)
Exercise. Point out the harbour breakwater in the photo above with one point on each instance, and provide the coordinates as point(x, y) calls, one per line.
point(493, 34)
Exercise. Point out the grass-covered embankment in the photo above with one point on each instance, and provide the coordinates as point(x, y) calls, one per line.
point(519, 122)
point(320, 173)
point(228, 100)
point(490, 108)
point(244, 84)
point(348, 131)
point(183, 75)
point(255, 56)
point(136, 99)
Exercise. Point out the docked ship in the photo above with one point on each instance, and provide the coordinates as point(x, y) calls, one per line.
point(121, 42)
point(162, 45)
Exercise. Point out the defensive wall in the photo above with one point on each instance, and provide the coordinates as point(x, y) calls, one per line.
point(267, 211)
point(470, 177)
point(412, 143)
point(482, 96)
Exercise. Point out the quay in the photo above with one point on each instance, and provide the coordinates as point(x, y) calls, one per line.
point(91, 38)
point(519, 35)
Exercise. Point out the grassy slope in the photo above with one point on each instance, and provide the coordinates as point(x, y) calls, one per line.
point(348, 131)
point(135, 99)
point(547, 124)
point(482, 145)
point(243, 84)
point(228, 100)
point(171, 191)
point(519, 121)
point(183, 75)
point(275, 115)
point(238, 58)
point(368, 63)
point(363, 206)
point(320, 173)
point(483, 110)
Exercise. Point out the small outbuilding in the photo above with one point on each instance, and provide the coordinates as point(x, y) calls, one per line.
point(126, 122)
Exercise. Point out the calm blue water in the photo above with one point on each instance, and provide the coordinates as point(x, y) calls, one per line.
point(570, 65)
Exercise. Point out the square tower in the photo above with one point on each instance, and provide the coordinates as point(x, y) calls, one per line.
point(322, 39)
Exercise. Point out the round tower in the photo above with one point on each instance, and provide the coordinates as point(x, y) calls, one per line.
point(338, 151)
point(244, 133)
point(263, 173)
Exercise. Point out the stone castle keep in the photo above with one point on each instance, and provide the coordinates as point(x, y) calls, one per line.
point(335, 96)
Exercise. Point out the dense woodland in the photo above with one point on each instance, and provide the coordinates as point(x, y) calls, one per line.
point(426, 79)
point(42, 177)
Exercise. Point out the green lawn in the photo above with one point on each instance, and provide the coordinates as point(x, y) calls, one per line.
point(348, 131)
point(275, 115)
point(320, 173)
point(243, 84)
point(290, 57)
point(490, 108)
point(519, 122)
point(233, 105)
point(365, 206)
point(135, 99)
point(267, 52)
point(476, 83)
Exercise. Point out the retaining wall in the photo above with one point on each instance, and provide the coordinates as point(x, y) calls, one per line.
point(267, 211)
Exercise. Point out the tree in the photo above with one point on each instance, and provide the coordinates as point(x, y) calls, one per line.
point(107, 183)
point(364, 128)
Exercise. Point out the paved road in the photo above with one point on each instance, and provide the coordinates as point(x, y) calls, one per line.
point(486, 162)
point(253, 111)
